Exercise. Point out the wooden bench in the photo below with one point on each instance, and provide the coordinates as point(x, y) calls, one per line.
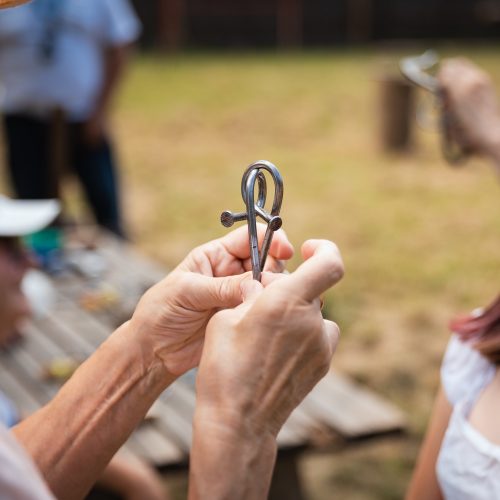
point(337, 411)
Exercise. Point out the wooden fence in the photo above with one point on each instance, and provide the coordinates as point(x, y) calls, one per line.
point(174, 24)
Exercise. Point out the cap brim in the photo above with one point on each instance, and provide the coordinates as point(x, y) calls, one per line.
point(5, 4)
point(21, 217)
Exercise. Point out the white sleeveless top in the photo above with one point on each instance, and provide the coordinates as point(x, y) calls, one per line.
point(468, 466)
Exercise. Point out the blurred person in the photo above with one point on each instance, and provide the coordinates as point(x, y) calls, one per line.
point(126, 476)
point(64, 57)
point(460, 454)
point(260, 349)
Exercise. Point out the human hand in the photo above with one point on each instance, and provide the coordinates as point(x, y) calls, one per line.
point(259, 361)
point(175, 312)
point(469, 96)
point(94, 129)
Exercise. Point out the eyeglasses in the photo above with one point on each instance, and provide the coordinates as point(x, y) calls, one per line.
point(13, 247)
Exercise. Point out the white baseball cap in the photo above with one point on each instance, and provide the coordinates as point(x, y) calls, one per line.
point(21, 217)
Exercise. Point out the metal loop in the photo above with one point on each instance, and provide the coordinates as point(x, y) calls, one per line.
point(254, 174)
point(416, 70)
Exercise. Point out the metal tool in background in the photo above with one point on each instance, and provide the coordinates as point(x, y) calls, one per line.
point(417, 69)
point(254, 174)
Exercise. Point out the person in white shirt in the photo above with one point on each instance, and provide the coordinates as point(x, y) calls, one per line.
point(460, 455)
point(64, 55)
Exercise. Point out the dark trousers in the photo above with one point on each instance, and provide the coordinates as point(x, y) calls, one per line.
point(32, 175)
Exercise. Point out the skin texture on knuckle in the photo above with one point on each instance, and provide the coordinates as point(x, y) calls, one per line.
point(335, 270)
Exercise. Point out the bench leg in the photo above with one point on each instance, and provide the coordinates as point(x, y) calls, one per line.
point(286, 483)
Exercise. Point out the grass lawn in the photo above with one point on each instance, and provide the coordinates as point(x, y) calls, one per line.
point(420, 239)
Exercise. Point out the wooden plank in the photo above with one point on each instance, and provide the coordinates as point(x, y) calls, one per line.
point(148, 442)
point(351, 410)
point(25, 402)
point(174, 424)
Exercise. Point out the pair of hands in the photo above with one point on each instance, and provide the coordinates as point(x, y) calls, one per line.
point(253, 342)
point(469, 96)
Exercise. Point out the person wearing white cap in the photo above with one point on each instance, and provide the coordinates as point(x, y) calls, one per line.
point(18, 218)
point(129, 478)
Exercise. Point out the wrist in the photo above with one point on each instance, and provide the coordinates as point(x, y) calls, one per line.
point(235, 445)
point(140, 348)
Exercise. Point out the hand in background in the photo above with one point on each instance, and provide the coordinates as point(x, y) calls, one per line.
point(470, 97)
point(175, 312)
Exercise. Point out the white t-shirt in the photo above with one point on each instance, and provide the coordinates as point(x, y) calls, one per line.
point(19, 478)
point(72, 76)
point(468, 466)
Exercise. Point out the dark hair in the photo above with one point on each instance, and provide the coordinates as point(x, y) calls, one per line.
point(482, 328)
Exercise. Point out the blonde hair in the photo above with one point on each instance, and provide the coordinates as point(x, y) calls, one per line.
point(482, 329)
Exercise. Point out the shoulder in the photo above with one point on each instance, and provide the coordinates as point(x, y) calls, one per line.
point(119, 20)
point(464, 371)
point(114, 22)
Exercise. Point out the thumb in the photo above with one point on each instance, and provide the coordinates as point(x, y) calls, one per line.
point(250, 289)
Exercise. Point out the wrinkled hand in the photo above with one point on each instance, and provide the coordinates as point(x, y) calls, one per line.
point(175, 312)
point(470, 98)
point(261, 358)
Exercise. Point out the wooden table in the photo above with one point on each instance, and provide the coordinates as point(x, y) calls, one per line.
point(338, 411)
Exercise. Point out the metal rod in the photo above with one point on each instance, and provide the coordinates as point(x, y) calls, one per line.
point(254, 174)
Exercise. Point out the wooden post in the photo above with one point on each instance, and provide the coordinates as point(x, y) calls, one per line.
point(396, 113)
point(171, 24)
point(359, 20)
point(289, 23)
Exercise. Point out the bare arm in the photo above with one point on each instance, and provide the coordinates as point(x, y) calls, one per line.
point(115, 61)
point(424, 483)
point(470, 95)
point(74, 437)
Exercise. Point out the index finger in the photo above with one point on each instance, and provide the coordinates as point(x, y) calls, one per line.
point(236, 243)
point(323, 267)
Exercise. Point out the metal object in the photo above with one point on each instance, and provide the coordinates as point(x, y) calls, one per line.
point(415, 69)
point(254, 174)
